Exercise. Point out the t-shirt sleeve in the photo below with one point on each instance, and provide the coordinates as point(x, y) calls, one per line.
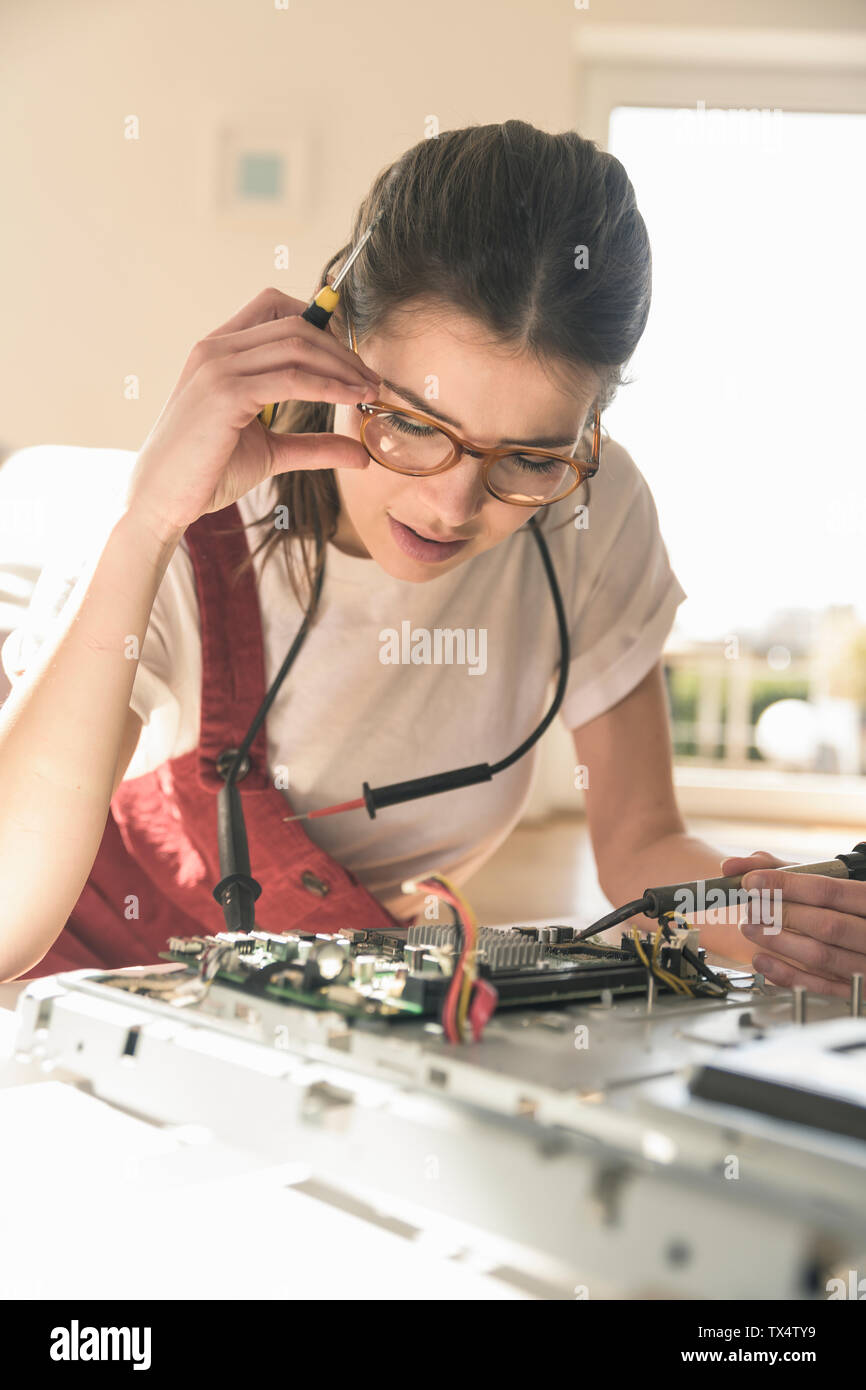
point(54, 588)
point(625, 593)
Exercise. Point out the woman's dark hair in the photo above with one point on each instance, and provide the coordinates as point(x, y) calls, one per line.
point(537, 236)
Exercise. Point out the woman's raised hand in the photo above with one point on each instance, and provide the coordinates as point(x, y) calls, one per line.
point(208, 449)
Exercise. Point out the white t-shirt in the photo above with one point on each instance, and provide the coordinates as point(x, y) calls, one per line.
point(348, 713)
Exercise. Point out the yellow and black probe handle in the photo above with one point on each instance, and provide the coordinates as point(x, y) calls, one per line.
point(318, 312)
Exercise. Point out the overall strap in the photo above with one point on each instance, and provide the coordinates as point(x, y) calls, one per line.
point(232, 649)
point(306, 886)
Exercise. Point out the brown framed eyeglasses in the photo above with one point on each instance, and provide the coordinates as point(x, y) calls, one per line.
point(419, 446)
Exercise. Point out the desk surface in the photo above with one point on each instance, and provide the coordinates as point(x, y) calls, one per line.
point(110, 1206)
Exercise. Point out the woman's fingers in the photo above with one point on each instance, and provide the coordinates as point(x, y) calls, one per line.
point(268, 304)
point(207, 448)
point(816, 890)
point(267, 319)
point(245, 396)
point(294, 352)
point(787, 975)
point(816, 929)
point(304, 451)
point(829, 944)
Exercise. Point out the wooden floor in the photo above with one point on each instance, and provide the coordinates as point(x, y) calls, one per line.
point(547, 869)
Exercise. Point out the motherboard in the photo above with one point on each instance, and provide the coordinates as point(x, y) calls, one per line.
point(407, 975)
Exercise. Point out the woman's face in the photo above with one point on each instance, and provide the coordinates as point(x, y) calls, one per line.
point(488, 393)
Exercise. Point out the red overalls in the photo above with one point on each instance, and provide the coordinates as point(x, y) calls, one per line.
point(158, 864)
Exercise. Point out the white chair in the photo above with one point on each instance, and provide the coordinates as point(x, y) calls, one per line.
point(56, 504)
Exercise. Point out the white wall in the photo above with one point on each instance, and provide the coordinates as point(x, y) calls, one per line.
point(112, 256)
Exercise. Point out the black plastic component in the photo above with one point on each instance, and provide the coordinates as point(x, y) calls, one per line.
point(520, 987)
point(236, 891)
point(782, 1102)
point(658, 902)
point(855, 862)
point(316, 315)
point(257, 981)
point(699, 963)
point(226, 760)
point(377, 797)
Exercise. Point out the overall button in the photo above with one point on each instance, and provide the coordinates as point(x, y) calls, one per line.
point(314, 884)
point(225, 760)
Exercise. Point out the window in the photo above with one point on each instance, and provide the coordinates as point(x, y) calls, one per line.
point(745, 416)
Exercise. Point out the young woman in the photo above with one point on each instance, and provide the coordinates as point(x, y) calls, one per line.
point(499, 296)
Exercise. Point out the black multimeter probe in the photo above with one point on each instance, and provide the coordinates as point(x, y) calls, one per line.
point(659, 902)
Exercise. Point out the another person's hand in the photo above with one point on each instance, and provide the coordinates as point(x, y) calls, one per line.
point(821, 941)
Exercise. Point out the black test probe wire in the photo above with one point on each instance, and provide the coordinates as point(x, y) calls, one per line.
point(237, 890)
point(376, 797)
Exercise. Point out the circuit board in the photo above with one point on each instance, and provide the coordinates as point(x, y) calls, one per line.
point(394, 976)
